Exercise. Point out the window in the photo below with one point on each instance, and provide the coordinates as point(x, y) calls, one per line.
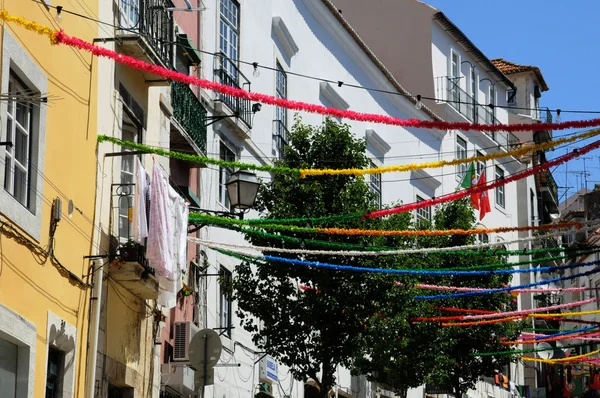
point(54, 373)
point(131, 130)
point(375, 186)
point(597, 291)
point(19, 131)
point(511, 97)
point(483, 238)
point(500, 200)
point(182, 63)
point(492, 100)
point(130, 14)
point(424, 213)
point(224, 174)
point(225, 301)
point(280, 113)
point(8, 368)
point(229, 37)
point(532, 206)
point(454, 82)
point(480, 165)
point(461, 153)
point(474, 93)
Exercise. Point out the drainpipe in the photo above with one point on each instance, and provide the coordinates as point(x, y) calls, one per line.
point(94, 325)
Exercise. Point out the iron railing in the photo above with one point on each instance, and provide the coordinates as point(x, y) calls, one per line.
point(542, 114)
point(149, 19)
point(121, 205)
point(475, 112)
point(189, 112)
point(226, 72)
point(549, 181)
point(280, 136)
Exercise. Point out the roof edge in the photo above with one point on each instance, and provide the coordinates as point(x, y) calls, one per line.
point(371, 55)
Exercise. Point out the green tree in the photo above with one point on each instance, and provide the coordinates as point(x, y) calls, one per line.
point(314, 331)
point(402, 354)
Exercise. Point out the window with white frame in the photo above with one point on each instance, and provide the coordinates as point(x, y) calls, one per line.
point(500, 198)
point(225, 300)
point(54, 374)
point(461, 153)
point(280, 138)
point(511, 97)
point(375, 186)
point(424, 213)
point(483, 238)
point(19, 131)
point(229, 35)
point(228, 155)
point(8, 368)
point(129, 14)
point(480, 165)
point(454, 79)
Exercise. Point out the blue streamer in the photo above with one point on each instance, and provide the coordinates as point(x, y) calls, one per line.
point(508, 289)
point(566, 333)
point(319, 264)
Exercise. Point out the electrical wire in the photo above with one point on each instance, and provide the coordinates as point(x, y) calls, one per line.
point(336, 82)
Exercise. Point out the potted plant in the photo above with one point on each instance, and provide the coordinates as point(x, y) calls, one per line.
point(129, 251)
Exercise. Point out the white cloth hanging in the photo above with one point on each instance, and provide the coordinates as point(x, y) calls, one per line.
point(159, 248)
point(140, 195)
point(171, 284)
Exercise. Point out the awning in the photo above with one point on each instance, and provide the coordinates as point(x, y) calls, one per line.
point(188, 48)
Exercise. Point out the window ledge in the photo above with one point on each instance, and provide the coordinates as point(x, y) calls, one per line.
point(425, 178)
point(377, 142)
point(285, 37)
point(332, 96)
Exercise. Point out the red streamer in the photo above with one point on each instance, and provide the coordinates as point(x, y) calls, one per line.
point(134, 63)
point(490, 185)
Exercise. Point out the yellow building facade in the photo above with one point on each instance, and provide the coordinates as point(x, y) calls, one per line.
point(47, 201)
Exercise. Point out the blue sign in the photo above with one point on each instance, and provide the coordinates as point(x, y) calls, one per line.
point(271, 368)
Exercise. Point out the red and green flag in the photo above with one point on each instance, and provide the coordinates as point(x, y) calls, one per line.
point(469, 181)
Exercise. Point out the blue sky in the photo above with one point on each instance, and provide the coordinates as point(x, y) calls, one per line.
point(561, 38)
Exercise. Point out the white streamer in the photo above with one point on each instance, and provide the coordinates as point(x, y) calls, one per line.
point(237, 248)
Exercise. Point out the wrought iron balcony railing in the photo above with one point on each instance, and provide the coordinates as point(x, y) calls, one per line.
point(189, 112)
point(149, 20)
point(227, 72)
point(547, 180)
point(542, 114)
point(280, 135)
point(475, 112)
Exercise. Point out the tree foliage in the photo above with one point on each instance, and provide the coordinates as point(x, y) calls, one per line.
point(359, 320)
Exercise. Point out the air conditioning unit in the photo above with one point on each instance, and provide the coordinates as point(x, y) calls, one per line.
point(182, 335)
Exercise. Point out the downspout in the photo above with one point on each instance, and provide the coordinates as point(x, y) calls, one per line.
point(94, 325)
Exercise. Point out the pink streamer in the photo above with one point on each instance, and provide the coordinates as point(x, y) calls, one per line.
point(476, 289)
point(490, 185)
point(134, 63)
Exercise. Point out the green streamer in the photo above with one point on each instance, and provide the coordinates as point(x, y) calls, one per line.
point(197, 158)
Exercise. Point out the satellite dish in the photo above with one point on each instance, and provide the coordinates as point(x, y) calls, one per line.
point(205, 349)
point(544, 354)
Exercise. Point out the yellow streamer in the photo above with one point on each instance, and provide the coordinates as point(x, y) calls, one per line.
point(29, 25)
point(551, 361)
point(441, 163)
point(565, 314)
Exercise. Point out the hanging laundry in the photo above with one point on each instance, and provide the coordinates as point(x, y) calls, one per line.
point(159, 248)
point(171, 284)
point(140, 197)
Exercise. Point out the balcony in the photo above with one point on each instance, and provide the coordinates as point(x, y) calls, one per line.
point(178, 377)
point(130, 267)
point(544, 116)
point(549, 190)
point(473, 111)
point(280, 137)
point(226, 72)
point(190, 114)
point(145, 31)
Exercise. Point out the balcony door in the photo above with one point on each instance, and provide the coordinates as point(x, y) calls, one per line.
point(229, 36)
point(129, 14)
point(131, 131)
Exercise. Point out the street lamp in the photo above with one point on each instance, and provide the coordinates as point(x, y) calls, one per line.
point(242, 188)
